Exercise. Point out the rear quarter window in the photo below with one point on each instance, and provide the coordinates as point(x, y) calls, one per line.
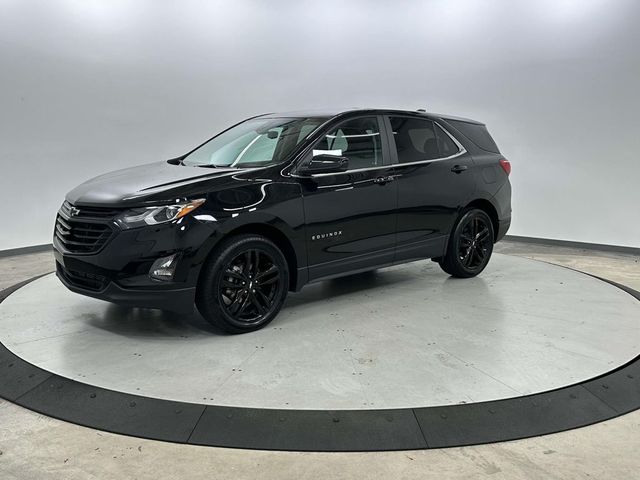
point(477, 133)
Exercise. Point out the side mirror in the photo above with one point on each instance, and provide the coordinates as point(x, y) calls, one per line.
point(325, 164)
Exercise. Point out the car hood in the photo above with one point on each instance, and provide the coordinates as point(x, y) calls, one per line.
point(153, 182)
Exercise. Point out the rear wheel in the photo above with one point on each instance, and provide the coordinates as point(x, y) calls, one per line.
point(243, 284)
point(470, 245)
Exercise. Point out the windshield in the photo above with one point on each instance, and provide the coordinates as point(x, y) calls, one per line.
point(258, 142)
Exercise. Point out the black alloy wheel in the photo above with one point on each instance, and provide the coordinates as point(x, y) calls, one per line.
point(243, 284)
point(249, 286)
point(470, 245)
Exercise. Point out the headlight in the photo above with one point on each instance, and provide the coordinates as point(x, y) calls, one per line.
point(139, 217)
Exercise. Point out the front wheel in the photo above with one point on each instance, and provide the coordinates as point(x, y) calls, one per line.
point(470, 245)
point(243, 284)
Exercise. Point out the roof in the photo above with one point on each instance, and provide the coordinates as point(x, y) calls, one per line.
point(314, 112)
point(332, 112)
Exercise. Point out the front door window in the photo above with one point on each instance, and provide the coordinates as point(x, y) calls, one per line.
point(358, 140)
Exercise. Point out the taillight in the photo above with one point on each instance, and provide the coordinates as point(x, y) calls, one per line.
point(506, 166)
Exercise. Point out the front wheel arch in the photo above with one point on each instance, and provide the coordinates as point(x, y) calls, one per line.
point(274, 234)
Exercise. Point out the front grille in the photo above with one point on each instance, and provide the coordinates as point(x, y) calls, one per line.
point(83, 229)
point(88, 281)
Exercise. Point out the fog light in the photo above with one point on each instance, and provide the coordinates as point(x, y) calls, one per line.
point(164, 268)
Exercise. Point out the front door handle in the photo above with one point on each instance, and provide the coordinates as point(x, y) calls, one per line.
point(458, 168)
point(383, 180)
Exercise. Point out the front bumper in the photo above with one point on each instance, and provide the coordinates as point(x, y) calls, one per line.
point(179, 300)
point(118, 271)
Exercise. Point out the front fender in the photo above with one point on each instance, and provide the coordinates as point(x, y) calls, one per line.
point(256, 206)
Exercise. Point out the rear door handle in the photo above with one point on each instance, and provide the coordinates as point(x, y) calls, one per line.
point(458, 168)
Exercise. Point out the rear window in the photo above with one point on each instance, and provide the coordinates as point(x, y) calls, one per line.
point(478, 134)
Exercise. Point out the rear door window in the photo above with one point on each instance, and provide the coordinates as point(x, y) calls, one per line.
point(446, 145)
point(418, 139)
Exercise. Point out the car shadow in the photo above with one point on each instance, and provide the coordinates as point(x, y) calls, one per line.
point(350, 284)
point(149, 322)
point(153, 323)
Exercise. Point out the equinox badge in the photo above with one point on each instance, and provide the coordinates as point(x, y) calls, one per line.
point(322, 236)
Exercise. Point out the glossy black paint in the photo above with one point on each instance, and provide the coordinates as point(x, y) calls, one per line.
point(326, 224)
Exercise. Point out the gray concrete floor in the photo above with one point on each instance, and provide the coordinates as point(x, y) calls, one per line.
point(33, 446)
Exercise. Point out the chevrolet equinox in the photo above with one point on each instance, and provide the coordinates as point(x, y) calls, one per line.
point(281, 200)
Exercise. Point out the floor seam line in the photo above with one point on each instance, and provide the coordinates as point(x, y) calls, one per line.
point(33, 388)
point(233, 373)
point(49, 338)
point(424, 437)
point(196, 424)
point(482, 371)
point(601, 400)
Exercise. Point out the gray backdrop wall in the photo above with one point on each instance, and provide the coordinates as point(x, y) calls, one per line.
point(89, 86)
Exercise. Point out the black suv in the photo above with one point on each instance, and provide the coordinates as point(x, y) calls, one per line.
point(281, 200)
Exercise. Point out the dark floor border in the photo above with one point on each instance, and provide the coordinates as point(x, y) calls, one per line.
point(26, 250)
point(602, 398)
point(571, 244)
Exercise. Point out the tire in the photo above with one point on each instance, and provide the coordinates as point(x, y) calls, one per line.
point(470, 245)
point(236, 307)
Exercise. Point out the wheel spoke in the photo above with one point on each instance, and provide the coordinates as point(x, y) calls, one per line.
point(244, 305)
point(264, 297)
point(271, 280)
point(267, 272)
point(254, 299)
point(228, 284)
point(470, 259)
point(236, 304)
point(466, 238)
point(467, 257)
point(482, 234)
point(269, 276)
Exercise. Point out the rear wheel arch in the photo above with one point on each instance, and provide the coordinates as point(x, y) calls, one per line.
point(489, 209)
point(470, 244)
